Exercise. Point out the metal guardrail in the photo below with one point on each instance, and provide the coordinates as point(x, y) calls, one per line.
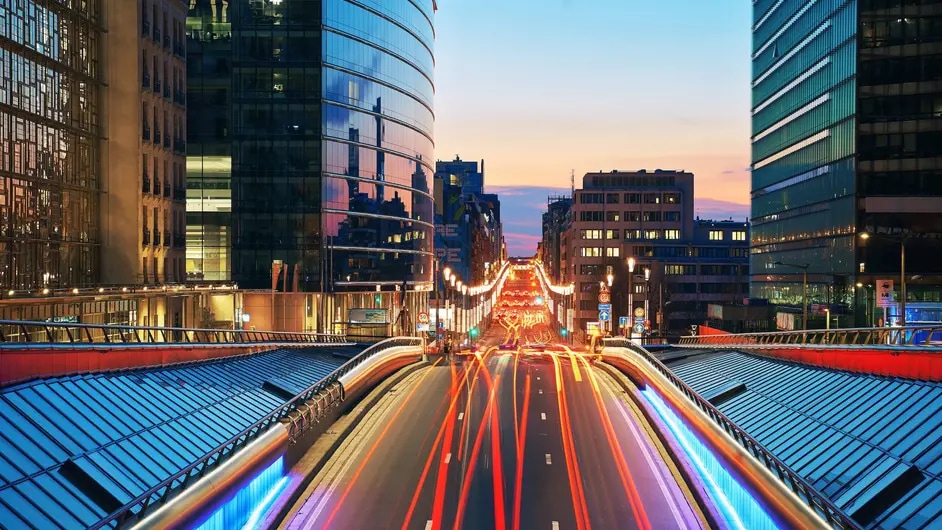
point(818, 502)
point(23, 331)
point(909, 336)
point(138, 508)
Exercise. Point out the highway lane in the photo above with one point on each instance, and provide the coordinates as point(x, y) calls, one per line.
point(504, 441)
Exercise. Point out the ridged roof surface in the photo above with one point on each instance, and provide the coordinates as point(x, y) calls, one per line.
point(74, 449)
point(872, 444)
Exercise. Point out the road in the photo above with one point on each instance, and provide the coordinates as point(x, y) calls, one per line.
point(504, 439)
point(500, 441)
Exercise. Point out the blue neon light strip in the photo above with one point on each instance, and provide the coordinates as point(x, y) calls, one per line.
point(736, 505)
point(246, 508)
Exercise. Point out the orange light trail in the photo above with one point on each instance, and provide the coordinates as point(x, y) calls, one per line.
point(376, 443)
point(631, 490)
point(475, 450)
point(521, 445)
point(572, 466)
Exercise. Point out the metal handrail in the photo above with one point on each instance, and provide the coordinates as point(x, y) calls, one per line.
point(23, 331)
point(161, 493)
point(818, 502)
point(928, 337)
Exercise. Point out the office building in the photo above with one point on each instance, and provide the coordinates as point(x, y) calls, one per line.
point(468, 230)
point(846, 121)
point(647, 216)
point(331, 141)
point(209, 142)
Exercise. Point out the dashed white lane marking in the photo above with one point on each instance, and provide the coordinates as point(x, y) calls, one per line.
point(549, 459)
point(555, 525)
point(537, 378)
point(543, 416)
point(460, 416)
point(541, 391)
point(428, 525)
point(448, 458)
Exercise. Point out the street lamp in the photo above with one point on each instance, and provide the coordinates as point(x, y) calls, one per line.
point(464, 311)
point(804, 289)
point(647, 293)
point(902, 270)
point(631, 293)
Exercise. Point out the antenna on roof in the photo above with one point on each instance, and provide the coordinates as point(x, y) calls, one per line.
point(572, 182)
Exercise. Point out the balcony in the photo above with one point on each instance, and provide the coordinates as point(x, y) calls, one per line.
point(156, 35)
point(179, 146)
point(179, 241)
point(179, 194)
point(157, 135)
point(167, 141)
point(156, 85)
point(145, 184)
point(145, 238)
point(167, 41)
point(166, 238)
point(167, 189)
point(145, 133)
point(145, 80)
point(167, 92)
point(179, 97)
point(145, 27)
point(156, 186)
point(156, 238)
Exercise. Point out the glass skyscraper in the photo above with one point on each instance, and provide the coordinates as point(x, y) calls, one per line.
point(845, 114)
point(331, 143)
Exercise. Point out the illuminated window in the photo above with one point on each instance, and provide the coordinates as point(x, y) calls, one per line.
point(672, 234)
point(591, 252)
point(716, 235)
point(612, 252)
point(739, 235)
point(591, 234)
point(652, 234)
point(611, 234)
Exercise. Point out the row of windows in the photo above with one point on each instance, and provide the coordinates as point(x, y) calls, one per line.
point(356, 91)
point(883, 70)
point(705, 270)
point(416, 20)
point(927, 144)
point(666, 252)
point(357, 21)
point(735, 235)
point(64, 39)
point(631, 216)
point(629, 198)
point(898, 108)
point(655, 180)
point(350, 125)
point(670, 233)
point(894, 30)
point(838, 143)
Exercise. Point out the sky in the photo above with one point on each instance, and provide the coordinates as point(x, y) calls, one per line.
point(539, 88)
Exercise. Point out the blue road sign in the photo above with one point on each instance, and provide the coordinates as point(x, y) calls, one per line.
point(604, 315)
point(623, 322)
point(605, 307)
point(639, 328)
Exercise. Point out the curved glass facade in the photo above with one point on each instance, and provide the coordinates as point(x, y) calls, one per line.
point(332, 140)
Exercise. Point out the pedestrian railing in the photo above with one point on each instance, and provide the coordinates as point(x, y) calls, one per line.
point(29, 332)
point(909, 336)
point(818, 502)
point(327, 392)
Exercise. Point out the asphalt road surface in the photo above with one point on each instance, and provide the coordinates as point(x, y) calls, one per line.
point(500, 440)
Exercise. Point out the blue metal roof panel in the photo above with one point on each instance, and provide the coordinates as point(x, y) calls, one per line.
point(872, 444)
point(71, 448)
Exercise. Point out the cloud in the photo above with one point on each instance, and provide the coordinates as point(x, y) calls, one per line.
point(521, 244)
point(729, 172)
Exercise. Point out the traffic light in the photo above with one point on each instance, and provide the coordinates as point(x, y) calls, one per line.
point(473, 332)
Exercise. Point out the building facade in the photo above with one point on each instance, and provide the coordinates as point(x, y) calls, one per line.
point(647, 216)
point(331, 141)
point(86, 192)
point(846, 124)
point(209, 143)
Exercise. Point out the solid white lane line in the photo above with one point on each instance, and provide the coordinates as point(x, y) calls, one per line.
point(549, 459)
point(555, 525)
point(428, 525)
point(460, 416)
point(543, 416)
point(448, 458)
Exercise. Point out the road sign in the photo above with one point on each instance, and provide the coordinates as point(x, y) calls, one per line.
point(639, 328)
point(623, 322)
point(639, 312)
point(605, 307)
point(420, 327)
point(604, 315)
point(884, 293)
point(423, 318)
point(604, 298)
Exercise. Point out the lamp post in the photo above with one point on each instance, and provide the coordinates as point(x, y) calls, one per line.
point(902, 270)
point(631, 294)
point(804, 290)
point(647, 293)
point(454, 310)
point(611, 279)
point(446, 274)
point(464, 311)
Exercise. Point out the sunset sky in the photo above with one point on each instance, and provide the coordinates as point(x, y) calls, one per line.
point(538, 88)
